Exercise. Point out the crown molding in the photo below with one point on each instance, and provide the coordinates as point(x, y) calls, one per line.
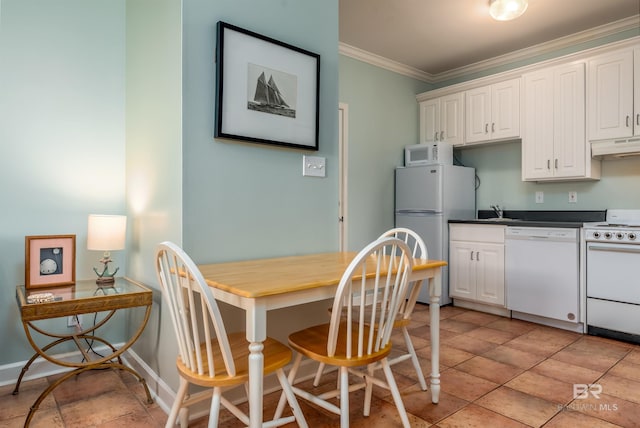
point(580, 56)
point(519, 55)
point(382, 62)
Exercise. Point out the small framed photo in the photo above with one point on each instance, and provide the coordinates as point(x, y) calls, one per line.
point(267, 91)
point(50, 260)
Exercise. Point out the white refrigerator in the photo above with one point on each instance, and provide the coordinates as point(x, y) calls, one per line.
point(427, 197)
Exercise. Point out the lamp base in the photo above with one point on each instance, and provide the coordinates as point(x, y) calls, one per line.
point(105, 278)
point(105, 281)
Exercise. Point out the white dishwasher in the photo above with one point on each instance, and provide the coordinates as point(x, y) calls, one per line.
point(542, 272)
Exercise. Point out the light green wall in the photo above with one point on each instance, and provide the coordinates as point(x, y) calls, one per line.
point(154, 159)
point(247, 200)
point(383, 118)
point(62, 142)
point(499, 170)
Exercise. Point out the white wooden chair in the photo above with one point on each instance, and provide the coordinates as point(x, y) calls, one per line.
point(358, 336)
point(418, 251)
point(403, 319)
point(207, 355)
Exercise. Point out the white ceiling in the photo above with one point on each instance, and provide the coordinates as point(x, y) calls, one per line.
point(436, 37)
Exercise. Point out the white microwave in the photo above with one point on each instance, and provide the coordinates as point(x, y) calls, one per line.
point(428, 154)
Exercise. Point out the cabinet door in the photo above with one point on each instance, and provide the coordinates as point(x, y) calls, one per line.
point(537, 132)
point(570, 143)
point(477, 114)
point(461, 270)
point(429, 121)
point(452, 119)
point(610, 96)
point(505, 110)
point(636, 91)
point(490, 274)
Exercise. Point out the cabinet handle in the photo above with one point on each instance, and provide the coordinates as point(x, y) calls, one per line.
point(548, 164)
point(627, 121)
point(441, 135)
point(638, 119)
point(486, 128)
point(556, 163)
point(477, 256)
point(493, 127)
point(435, 136)
point(472, 255)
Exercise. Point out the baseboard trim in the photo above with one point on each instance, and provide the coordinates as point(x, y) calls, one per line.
point(476, 306)
point(9, 373)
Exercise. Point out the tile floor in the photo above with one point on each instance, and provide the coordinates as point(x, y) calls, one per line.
point(495, 372)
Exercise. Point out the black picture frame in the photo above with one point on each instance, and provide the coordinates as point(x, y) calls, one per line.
point(267, 91)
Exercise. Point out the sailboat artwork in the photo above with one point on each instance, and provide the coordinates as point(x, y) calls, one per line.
point(270, 97)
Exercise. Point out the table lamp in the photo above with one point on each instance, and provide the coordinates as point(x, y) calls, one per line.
point(106, 233)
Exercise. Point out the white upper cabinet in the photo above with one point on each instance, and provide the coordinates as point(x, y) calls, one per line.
point(554, 145)
point(442, 119)
point(613, 83)
point(493, 112)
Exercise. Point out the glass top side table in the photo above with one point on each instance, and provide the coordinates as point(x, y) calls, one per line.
point(83, 297)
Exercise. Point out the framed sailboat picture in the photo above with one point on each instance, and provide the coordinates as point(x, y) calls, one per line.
point(267, 91)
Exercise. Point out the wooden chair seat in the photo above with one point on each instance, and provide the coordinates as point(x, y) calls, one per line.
point(276, 356)
point(312, 343)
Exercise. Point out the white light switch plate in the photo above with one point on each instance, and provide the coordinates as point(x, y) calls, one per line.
point(539, 197)
point(313, 166)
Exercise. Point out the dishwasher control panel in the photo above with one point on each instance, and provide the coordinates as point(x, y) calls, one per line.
point(534, 233)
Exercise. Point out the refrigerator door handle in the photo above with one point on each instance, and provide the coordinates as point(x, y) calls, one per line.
point(418, 212)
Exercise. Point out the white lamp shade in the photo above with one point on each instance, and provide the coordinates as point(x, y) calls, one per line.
point(505, 10)
point(106, 232)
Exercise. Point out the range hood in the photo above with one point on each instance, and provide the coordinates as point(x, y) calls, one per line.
point(615, 149)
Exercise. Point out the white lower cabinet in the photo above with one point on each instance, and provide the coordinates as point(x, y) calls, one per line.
point(476, 263)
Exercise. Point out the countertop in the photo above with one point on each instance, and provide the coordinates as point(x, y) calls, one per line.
point(566, 219)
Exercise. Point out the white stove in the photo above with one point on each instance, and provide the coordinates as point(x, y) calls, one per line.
point(622, 226)
point(613, 287)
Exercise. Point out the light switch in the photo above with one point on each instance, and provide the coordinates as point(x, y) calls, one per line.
point(573, 197)
point(313, 166)
point(539, 197)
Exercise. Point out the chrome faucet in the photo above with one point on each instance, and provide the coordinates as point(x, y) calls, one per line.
point(496, 209)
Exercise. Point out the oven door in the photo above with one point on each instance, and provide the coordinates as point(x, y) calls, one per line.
point(613, 271)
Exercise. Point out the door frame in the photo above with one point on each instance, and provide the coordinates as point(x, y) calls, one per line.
point(343, 144)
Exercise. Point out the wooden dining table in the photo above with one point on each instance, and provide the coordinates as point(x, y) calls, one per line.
point(261, 285)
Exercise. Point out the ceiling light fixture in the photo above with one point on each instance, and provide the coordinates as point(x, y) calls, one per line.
point(506, 10)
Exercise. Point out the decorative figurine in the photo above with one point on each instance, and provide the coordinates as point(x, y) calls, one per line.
point(105, 277)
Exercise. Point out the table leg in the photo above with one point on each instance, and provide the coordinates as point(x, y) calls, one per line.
point(435, 290)
point(256, 334)
point(22, 372)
